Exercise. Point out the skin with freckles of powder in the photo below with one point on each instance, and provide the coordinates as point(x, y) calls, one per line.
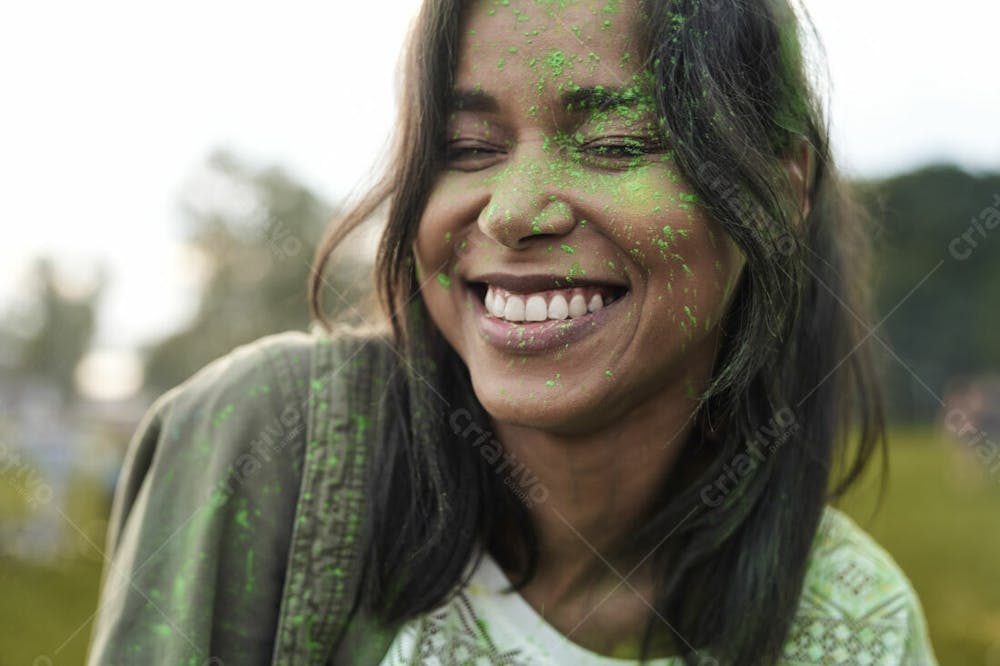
point(560, 148)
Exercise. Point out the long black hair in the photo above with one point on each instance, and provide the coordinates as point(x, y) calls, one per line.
point(794, 402)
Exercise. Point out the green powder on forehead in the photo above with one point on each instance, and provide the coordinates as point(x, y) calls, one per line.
point(557, 60)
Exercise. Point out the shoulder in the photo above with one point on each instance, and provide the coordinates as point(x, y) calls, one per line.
point(208, 497)
point(857, 605)
point(275, 376)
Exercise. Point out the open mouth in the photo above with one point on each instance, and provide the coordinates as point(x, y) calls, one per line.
point(522, 306)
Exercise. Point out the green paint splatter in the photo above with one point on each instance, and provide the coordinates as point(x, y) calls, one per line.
point(223, 414)
point(691, 317)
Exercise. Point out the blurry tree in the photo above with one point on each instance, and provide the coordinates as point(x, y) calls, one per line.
point(950, 324)
point(256, 230)
point(63, 316)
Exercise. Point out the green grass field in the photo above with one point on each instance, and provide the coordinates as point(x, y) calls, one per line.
point(941, 530)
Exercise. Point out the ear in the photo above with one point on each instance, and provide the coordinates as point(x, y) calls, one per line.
point(799, 164)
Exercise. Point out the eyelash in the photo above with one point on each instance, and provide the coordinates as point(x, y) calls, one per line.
point(609, 152)
point(470, 154)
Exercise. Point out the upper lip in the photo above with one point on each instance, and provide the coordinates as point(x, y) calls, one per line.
point(533, 282)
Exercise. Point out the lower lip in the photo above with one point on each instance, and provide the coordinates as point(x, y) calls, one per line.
point(530, 337)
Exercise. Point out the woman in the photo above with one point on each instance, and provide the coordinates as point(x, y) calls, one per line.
point(625, 290)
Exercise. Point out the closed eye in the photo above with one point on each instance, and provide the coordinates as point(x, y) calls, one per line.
point(471, 154)
point(618, 151)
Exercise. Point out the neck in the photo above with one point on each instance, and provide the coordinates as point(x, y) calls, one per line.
point(599, 485)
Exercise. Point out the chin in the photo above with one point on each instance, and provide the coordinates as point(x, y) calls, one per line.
point(557, 408)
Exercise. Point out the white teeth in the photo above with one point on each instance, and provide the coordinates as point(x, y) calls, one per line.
point(499, 304)
point(558, 309)
point(535, 309)
point(514, 309)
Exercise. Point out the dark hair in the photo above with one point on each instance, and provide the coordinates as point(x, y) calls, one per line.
point(732, 91)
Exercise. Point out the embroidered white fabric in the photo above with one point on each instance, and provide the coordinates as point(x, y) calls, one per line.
point(857, 609)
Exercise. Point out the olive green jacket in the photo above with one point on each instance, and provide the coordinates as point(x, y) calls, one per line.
point(235, 519)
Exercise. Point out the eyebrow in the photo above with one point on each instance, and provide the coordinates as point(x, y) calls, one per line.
point(585, 98)
point(602, 98)
point(473, 100)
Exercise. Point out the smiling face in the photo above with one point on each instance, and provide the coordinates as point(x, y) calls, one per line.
point(564, 256)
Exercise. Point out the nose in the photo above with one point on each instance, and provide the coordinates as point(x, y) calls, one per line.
point(525, 204)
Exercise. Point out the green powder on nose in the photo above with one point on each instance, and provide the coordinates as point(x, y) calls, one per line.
point(444, 280)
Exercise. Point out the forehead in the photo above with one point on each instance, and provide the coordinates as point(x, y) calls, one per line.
point(533, 46)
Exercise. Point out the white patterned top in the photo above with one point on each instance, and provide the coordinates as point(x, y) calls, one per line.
point(857, 609)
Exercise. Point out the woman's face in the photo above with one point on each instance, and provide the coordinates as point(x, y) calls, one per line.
point(563, 255)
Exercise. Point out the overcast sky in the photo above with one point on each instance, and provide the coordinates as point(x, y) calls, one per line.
point(110, 107)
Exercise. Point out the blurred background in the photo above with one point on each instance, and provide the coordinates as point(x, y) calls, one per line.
point(166, 171)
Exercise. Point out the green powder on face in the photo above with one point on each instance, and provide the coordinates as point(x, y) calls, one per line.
point(691, 317)
point(568, 249)
point(556, 60)
point(443, 280)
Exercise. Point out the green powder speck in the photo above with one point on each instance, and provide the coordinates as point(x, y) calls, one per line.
point(568, 249)
point(444, 280)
